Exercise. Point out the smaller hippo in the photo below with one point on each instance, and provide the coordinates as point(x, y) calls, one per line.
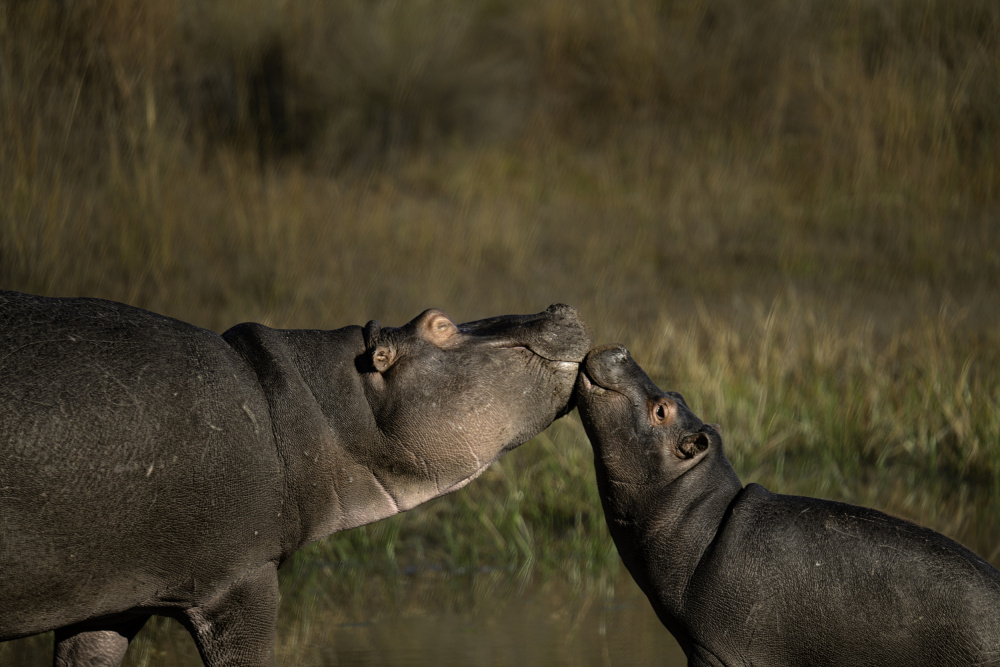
point(743, 576)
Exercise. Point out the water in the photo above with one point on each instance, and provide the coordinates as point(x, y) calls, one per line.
point(536, 628)
point(486, 619)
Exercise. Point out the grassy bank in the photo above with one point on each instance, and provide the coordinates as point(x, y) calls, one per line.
point(787, 212)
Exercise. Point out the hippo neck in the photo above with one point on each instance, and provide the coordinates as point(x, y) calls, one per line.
point(662, 531)
point(318, 416)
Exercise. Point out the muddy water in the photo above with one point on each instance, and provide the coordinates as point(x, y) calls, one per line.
point(428, 619)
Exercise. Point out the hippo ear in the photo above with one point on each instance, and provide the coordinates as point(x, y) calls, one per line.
point(371, 332)
point(383, 353)
point(692, 445)
point(383, 357)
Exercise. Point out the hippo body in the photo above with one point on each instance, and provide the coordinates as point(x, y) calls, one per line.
point(148, 466)
point(742, 576)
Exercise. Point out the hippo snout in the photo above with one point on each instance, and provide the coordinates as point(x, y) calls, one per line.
point(609, 366)
point(559, 334)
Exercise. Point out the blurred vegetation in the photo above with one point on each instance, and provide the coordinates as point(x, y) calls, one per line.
point(787, 210)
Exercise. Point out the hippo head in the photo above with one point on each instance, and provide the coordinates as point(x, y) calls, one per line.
point(640, 434)
point(449, 399)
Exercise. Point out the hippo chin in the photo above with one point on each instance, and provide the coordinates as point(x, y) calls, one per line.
point(742, 576)
point(151, 467)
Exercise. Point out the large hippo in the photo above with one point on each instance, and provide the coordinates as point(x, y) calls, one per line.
point(148, 466)
point(742, 576)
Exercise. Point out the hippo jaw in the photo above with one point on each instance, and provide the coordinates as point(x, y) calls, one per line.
point(447, 399)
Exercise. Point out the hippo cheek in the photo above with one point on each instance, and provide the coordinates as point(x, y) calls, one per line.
point(466, 412)
point(523, 397)
point(546, 383)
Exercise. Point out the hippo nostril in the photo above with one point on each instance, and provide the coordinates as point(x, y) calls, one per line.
point(692, 444)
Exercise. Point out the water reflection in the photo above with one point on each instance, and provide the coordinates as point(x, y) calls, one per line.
point(540, 626)
point(432, 618)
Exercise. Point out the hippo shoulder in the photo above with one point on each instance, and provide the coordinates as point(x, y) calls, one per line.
point(303, 366)
point(311, 351)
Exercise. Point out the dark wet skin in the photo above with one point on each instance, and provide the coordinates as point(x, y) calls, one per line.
point(742, 576)
point(151, 467)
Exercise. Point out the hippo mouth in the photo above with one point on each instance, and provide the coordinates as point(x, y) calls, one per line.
point(570, 362)
point(601, 373)
point(562, 373)
point(587, 386)
point(591, 381)
point(587, 383)
point(556, 335)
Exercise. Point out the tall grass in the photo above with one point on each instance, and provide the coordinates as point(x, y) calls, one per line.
point(788, 211)
point(195, 147)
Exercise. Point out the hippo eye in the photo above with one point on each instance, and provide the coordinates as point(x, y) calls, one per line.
point(440, 329)
point(662, 412)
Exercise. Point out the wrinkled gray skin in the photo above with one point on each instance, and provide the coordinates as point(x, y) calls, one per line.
point(151, 467)
point(742, 576)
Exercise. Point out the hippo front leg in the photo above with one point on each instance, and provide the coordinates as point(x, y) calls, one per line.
point(92, 646)
point(237, 625)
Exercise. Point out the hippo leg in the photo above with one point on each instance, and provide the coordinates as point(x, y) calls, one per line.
point(90, 646)
point(237, 626)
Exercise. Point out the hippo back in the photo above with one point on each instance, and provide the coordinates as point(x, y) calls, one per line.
point(802, 581)
point(137, 465)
